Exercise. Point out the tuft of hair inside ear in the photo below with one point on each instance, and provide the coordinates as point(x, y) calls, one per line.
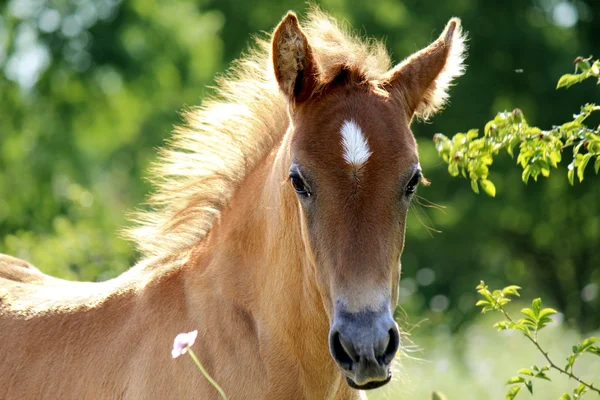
point(291, 55)
point(436, 95)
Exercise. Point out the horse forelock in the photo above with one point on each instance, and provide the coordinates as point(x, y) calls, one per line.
point(224, 139)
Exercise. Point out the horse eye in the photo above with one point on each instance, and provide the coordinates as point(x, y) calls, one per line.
point(298, 185)
point(414, 182)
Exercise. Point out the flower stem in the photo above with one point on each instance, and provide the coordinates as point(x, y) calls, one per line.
point(206, 375)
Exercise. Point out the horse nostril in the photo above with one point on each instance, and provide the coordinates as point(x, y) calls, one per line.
point(392, 347)
point(342, 354)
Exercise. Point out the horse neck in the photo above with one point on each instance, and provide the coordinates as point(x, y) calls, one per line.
point(261, 231)
point(258, 261)
point(288, 265)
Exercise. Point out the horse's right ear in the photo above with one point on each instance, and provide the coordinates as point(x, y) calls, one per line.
point(293, 60)
point(423, 79)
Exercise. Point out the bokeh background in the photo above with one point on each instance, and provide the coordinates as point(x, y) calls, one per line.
point(89, 89)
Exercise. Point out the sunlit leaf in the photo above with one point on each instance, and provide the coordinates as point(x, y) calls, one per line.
point(472, 133)
point(474, 186)
point(567, 80)
point(536, 304)
point(515, 379)
point(525, 371)
point(512, 392)
point(526, 174)
point(582, 164)
point(593, 350)
point(489, 187)
point(436, 395)
point(482, 303)
point(547, 312)
point(571, 176)
point(579, 390)
point(511, 290)
point(529, 313)
point(584, 345)
point(502, 325)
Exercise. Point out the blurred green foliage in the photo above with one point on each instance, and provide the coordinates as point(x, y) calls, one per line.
point(539, 150)
point(90, 88)
point(534, 320)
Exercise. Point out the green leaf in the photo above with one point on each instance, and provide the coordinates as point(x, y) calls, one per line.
point(582, 64)
point(571, 175)
point(529, 322)
point(511, 290)
point(565, 397)
point(502, 325)
point(536, 304)
point(489, 187)
point(459, 138)
point(546, 312)
point(515, 379)
point(570, 361)
point(542, 375)
point(555, 158)
point(597, 164)
point(512, 392)
point(586, 343)
point(567, 81)
point(483, 303)
point(529, 385)
point(579, 390)
point(525, 371)
point(474, 186)
point(524, 329)
point(472, 133)
point(528, 312)
point(593, 350)
point(453, 169)
point(526, 173)
point(437, 396)
point(542, 322)
point(582, 164)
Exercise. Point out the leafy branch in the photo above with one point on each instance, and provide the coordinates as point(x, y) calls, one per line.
point(539, 150)
point(535, 319)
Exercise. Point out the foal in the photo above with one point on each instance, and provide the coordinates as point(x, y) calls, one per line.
point(276, 232)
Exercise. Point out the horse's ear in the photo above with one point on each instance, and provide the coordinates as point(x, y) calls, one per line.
point(293, 61)
point(423, 79)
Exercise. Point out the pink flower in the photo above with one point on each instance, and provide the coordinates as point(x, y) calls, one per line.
point(182, 342)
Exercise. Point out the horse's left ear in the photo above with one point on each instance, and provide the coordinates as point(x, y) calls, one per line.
point(293, 61)
point(423, 79)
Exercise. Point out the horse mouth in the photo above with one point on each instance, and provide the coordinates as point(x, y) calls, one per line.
point(370, 385)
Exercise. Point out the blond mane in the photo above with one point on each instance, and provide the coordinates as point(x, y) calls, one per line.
point(224, 139)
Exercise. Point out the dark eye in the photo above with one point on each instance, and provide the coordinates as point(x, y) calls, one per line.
point(299, 185)
point(414, 182)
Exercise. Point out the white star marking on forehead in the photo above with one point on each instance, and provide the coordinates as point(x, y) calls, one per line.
point(354, 142)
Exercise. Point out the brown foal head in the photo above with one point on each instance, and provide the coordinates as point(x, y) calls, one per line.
point(355, 169)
